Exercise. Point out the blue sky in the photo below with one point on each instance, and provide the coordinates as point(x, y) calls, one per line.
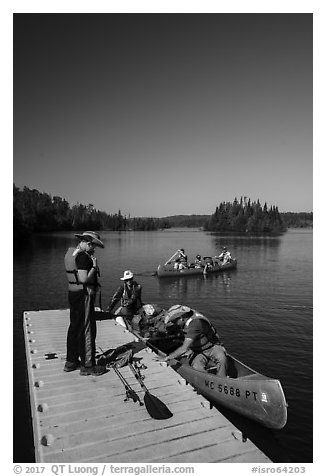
point(164, 114)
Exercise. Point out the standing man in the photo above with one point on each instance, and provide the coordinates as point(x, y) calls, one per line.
point(82, 273)
point(129, 295)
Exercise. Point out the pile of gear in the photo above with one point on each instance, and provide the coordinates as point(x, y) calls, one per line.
point(159, 325)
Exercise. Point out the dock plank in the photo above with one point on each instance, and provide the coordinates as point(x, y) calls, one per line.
point(85, 419)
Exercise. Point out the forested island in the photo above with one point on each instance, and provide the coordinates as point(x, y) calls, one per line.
point(35, 212)
point(245, 216)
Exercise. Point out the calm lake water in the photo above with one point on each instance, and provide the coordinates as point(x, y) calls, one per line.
point(263, 312)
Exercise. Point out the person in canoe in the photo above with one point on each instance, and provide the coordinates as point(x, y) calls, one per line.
point(129, 295)
point(200, 338)
point(179, 259)
point(225, 256)
point(208, 263)
point(198, 262)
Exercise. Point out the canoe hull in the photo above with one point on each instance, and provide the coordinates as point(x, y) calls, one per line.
point(243, 391)
point(169, 272)
point(257, 397)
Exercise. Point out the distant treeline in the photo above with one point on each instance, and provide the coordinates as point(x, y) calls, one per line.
point(297, 220)
point(190, 221)
point(35, 211)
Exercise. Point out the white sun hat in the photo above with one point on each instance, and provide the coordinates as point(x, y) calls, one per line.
point(127, 275)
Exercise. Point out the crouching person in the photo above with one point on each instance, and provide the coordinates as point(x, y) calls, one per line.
point(129, 295)
point(200, 338)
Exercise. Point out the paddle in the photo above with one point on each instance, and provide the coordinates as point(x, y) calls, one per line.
point(99, 313)
point(130, 393)
point(146, 273)
point(174, 254)
point(155, 407)
point(149, 344)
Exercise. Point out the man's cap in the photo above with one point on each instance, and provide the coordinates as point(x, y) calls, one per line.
point(91, 236)
point(176, 312)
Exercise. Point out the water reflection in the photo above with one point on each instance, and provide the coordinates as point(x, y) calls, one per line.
point(247, 240)
point(223, 279)
point(252, 245)
point(174, 288)
point(185, 288)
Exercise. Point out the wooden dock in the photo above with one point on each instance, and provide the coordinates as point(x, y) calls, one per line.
point(85, 419)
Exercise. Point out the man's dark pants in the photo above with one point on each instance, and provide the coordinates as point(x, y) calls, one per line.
point(82, 329)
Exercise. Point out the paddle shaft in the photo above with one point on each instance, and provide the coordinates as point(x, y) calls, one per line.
point(151, 346)
point(174, 254)
point(160, 353)
point(146, 273)
point(129, 391)
point(138, 376)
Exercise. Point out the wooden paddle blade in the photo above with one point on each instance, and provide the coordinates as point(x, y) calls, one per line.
point(156, 408)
